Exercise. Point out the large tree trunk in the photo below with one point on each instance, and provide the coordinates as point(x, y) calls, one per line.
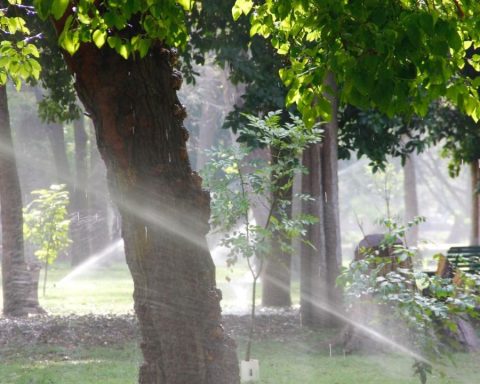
point(410, 198)
point(475, 179)
point(138, 122)
point(320, 262)
point(277, 268)
point(19, 295)
point(80, 247)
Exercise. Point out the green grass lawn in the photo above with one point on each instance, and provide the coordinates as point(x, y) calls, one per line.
point(82, 366)
point(280, 363)
point(105, 289)
point(108, 289)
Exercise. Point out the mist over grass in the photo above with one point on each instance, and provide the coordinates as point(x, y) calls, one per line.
point(287, 362)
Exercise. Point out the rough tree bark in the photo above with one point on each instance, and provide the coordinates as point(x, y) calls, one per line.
point(80, 247)
point(475, 179)
point(277, 268)
point(138, 123)
point(320, 263)
point(19, 295)
point(410, 198)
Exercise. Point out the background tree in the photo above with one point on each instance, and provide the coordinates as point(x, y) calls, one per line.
point(18, 63)
point(46, 224)
point(19, 297)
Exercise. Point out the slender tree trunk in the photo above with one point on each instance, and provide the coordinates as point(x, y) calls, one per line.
point(277, 268)
point(18, 296)
point(138, 122)
point(80, 246)
point(333, 243)
point(320, 264)
point(98, 202)
point(313, 268)
point(206, 136)
point(410, 198)
point(56, 136)
point(474, 177)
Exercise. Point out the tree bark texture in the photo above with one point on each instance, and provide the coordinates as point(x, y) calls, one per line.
point(410, 198)
point(313, 267)
point(320, 262)
point(18, 286)
point(474, 218)
point(138, 123)
point(277, 267)
point(79, 230)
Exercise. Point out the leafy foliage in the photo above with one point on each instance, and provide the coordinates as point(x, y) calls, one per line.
point(45, 223)
point(128, 26)
point(238, 183)
point(428, 306)
point(251, 60)
point(394, 56)
point(459, 136)
point(18, 55)
point(59, 102)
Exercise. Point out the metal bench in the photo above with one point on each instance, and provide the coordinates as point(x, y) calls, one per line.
point(465, 259)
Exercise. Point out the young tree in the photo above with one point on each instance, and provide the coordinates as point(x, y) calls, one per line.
point(237, 186)
point(46, 224)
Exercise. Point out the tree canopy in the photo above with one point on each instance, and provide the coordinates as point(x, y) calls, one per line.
point(390, 55)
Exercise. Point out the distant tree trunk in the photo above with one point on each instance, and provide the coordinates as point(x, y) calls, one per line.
point(320, 264)
point(206, 137)
point(313, 268)
point(277, 268)
point(80, 246)
point(138, 122)
point(19, 297)
point(410, 198)
point(56, 136)
point(98, 202)
point(474, 175)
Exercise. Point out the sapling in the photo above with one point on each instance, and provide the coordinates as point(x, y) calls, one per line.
point(45, 224)
point(237, 182)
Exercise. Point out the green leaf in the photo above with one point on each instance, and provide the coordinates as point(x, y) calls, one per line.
point(58, 8)
point(68, 39)
point(99, 37)
point(241, 6)
point(124, 50)
point(236, 12)
point(186, 4)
